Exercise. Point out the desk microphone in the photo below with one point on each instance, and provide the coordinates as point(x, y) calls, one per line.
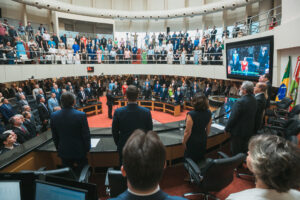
point(220, 116)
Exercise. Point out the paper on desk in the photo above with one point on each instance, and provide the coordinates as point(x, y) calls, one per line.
point(94, 142)
point(218, 126)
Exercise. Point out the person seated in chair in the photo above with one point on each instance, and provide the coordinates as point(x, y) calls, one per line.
point(144, 159)
point(275, 163)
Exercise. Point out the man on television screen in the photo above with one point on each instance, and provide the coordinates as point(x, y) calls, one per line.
point(263, 60)
point(235, 61)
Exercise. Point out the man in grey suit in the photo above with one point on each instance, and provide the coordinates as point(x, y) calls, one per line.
point(241, 123)
point(23, 101)
point(129, 118)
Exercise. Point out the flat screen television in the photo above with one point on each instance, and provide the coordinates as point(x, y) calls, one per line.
point(249, 59)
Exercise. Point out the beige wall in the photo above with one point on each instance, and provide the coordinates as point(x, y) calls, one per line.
point(13, 10)
point(9, 73)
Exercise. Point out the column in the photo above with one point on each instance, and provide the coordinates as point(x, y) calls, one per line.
point(165, 8)
point(203, 17)
point(264, 16)
point(130, 21)
point(24, 15)
point(148, 21)
point(50, 23)
point(186, 19)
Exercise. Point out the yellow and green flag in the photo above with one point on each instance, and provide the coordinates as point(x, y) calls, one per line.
point(283, 89)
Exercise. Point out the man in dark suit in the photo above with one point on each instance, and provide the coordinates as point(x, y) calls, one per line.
point(163, 93)
point(129, 118)
point(241, 122)
point(207, 90)
point(82, 97)
point(44, 114)
point(144, 159)
point(30, 125)
point(194, 90)
point(71, 133)
point(178, 97)
point(22, 133)
point(259, 91)
point(88, 91)
point(40, 95)
point(109, 103)
point(6, 110)
point(147, 92)
point(136, 83)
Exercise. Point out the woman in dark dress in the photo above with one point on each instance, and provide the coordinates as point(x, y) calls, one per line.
point(198, 122)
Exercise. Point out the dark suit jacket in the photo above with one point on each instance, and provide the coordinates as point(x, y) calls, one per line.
point(80, 96)
point(164, 94)
point(178, 98)
point(38, 97)
point(261, 106)
point(30, 127)
point(147, 93)
point(242, 118)
point(21, 136)
point(110, 99)
point(160, 195)
point(269, 92)
point(126, 120)
point(71, 133)
point(43, 112)
point(7, 112)
point(207, 92)
point(88, 93)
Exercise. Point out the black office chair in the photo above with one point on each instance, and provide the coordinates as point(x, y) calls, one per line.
point(212, 175)
point(288, 129)
point(281, 108)
point(115, 183)
point(66, 172)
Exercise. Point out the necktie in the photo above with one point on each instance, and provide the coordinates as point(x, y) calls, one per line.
point(24, 131)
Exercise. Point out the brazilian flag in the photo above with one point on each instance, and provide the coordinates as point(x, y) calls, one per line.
point(283, 89)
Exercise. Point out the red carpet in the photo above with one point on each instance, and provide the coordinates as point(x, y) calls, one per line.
point(102, 120)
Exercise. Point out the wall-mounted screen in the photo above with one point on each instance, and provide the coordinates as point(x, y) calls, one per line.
point(247, 60)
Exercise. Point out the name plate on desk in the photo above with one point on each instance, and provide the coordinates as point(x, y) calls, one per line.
point(94, 142)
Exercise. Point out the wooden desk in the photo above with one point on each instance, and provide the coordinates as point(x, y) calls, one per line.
point(155, 105)
point(93, 109)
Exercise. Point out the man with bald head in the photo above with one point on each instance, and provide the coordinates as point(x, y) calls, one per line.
point(260, 91)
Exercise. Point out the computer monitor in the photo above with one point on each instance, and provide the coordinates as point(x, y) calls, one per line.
point(90, 187)
point(27, 181)
point(229, 102)
point(50, 191)
point(10, 190)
